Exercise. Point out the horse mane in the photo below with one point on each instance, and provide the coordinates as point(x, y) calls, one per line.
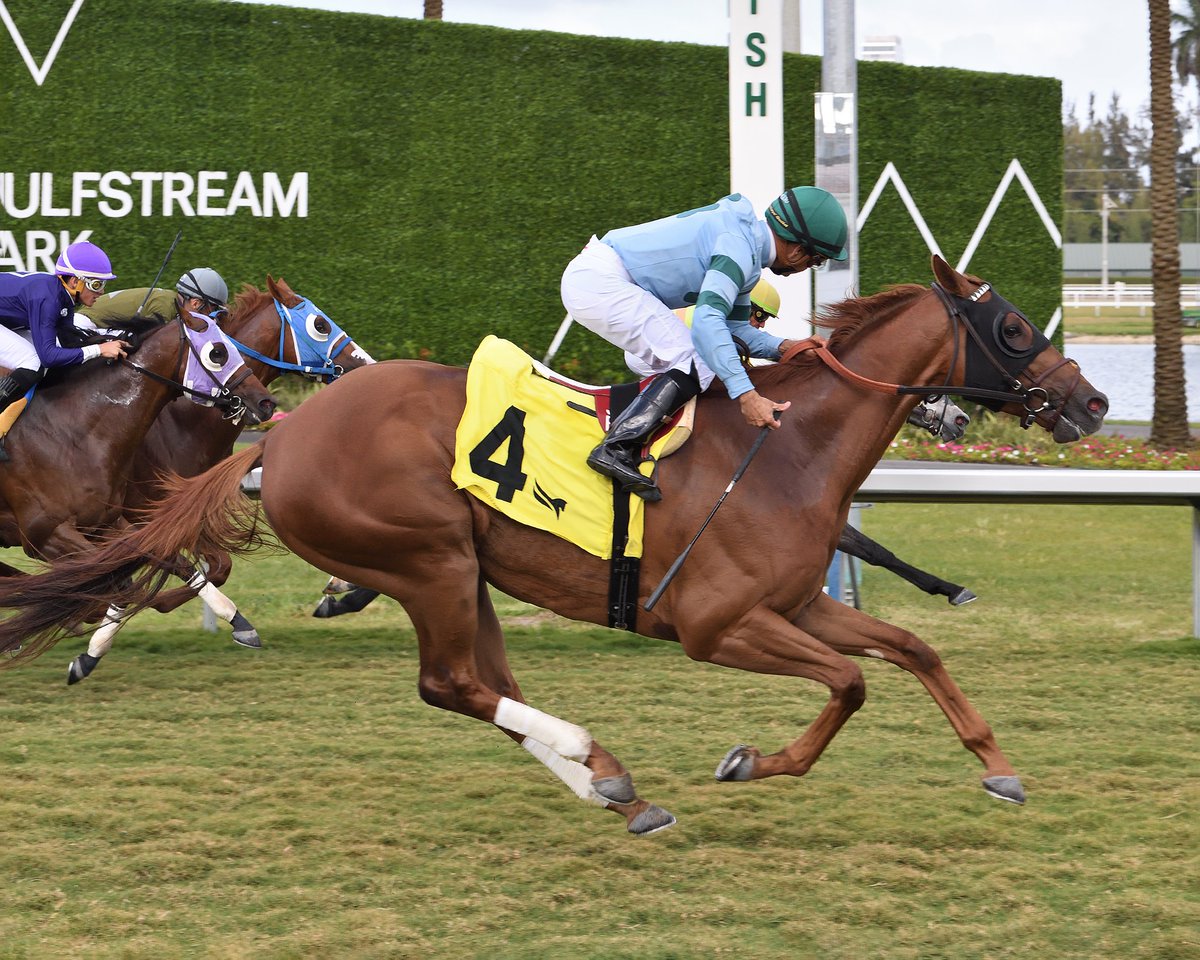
point(847, 318)
point(249, 299)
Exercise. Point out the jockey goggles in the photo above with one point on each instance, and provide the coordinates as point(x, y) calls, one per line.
point(92, 283)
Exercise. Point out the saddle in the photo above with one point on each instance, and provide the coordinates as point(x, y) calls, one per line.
point(522, 444)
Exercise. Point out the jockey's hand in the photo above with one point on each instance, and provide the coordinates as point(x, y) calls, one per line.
point(759, 411)
point(113, 349)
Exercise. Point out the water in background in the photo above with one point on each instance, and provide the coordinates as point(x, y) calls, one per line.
point(1125, 371)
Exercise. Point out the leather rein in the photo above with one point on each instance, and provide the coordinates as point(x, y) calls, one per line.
point(1034, 397)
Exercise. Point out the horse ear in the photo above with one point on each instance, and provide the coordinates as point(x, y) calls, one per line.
point(947, 276)
point(274, 290)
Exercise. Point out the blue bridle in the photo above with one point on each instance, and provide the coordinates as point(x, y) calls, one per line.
point(316, 351)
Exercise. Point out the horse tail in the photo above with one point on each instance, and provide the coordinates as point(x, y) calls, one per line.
point(198, 516)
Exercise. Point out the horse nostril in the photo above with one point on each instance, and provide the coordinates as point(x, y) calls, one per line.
point(1097, 405)
point(267, 408)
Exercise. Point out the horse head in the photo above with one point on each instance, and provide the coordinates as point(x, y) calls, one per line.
point(217, 376)
point(1007, 356)
point(319, 346)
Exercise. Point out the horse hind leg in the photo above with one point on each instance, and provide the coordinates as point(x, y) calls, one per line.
point(244, 632)
point(568, 751)
point(856, 634)
point(99, 644)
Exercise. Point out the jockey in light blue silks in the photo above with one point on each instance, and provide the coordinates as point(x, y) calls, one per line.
point(625, 285)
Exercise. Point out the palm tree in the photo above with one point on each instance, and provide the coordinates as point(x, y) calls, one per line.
point(1187, 42)
point(1169, 426)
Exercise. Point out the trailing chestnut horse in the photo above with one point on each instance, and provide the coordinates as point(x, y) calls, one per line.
point(276, 332)
point(389, 518)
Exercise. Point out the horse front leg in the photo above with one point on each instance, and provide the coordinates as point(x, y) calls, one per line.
point(857, 634)
point(764, 642)
point(204, 583)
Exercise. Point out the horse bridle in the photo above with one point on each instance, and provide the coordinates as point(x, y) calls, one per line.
point(328, 369)
point(232, 405)
point(971, 314)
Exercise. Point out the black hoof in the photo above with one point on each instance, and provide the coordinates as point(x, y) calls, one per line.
point(326, 608)
point(80, 667)
point(244, 632)
point(963, 596)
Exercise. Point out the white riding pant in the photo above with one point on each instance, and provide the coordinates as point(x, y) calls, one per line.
point(17, 350)
point(599, 294)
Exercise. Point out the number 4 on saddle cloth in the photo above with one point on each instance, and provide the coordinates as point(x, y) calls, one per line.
point(523, 441)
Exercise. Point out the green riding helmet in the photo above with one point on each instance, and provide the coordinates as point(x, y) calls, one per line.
point(811, 217)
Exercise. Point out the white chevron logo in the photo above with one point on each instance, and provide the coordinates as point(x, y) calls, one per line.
point(1015, 170)
point(39, 73)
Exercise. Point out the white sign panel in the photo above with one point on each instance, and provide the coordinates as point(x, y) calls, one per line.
point(756, 133)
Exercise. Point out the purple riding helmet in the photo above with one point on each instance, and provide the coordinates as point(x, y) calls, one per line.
point(84, 259)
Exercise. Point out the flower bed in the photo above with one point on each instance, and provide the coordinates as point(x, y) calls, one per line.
point(1095, 452)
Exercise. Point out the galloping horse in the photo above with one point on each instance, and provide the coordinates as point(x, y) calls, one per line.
point(73, 447)
point(939, 415)
point(750, 596)
point(276, 332)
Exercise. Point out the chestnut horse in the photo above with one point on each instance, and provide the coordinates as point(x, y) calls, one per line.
point(939, 415)
point(750, 597)
point(276, 332)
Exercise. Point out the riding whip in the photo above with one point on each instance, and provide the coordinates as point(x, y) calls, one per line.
point(666, 580)
point(158, 276)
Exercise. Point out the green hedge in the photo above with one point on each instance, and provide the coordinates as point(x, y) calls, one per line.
point(455, 169)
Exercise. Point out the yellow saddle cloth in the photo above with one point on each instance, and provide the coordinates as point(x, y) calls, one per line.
point(522, 446)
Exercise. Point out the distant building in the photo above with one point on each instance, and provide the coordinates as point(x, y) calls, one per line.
point(882, 48)
point(1125, 260)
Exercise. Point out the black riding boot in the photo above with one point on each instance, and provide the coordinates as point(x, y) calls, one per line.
point(13, 387)
point(617, 455)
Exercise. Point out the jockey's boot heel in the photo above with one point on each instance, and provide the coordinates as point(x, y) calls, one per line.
point(617, 454)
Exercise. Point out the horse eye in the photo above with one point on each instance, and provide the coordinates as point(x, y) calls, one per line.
point(317, 326)
point(1012, 330)
point(214, 356)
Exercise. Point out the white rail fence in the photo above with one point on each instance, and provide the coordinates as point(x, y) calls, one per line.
point(1121, 294)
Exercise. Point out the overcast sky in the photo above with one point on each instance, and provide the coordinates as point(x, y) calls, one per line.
point(1093, 46)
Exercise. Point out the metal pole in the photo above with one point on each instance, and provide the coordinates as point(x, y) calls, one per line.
point(1104, 202)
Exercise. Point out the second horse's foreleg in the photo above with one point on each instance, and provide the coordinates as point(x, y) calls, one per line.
point(854, 633)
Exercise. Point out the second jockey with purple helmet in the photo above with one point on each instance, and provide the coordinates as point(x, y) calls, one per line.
point(35, 308)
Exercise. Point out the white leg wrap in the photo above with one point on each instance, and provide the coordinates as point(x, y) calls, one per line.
point(220, 604)
point(102, 639)
point(574, 775)
point(563, 738)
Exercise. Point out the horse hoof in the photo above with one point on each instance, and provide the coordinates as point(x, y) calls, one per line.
point(650, 820)
point(615, 789)
point(80, 667)
point(963, 596)
point(738, 764)
point(326, 608)
point(1005, 788)
point(244, 632)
